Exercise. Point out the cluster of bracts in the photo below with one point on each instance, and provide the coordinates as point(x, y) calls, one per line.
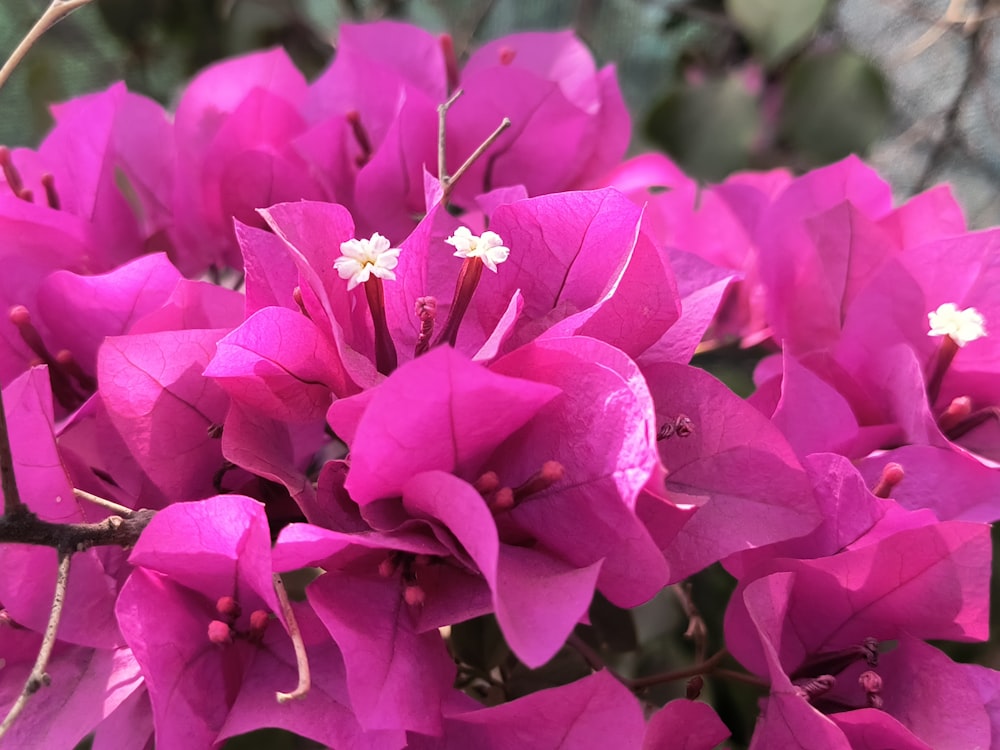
point(367, 328)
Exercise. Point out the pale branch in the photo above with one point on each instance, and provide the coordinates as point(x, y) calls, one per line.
point(38, 677)
point(448, 181)
point(57, 10)
point(442, 135)
point(301, 659)
point(24, 527)
point(490, 139)
point(115, 508)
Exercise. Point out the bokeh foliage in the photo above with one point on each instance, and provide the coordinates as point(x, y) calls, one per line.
point(721, 85)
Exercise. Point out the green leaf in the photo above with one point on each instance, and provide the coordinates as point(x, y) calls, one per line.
point(708, 128)
point(776, 28)
point(835, 104)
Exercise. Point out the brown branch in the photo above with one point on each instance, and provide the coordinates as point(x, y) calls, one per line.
point(38, 677)
point(592, 657)
point(57, 10)
point(706, 667)
point(697, 630)
point(12, 504)
point(24, 527)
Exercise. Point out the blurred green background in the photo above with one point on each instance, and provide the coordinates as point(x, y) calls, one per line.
point(720, 85)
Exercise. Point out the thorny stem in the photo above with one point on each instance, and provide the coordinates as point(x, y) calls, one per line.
point(18, 525)
point(12, 504)
point(38, 678)
point(301, 659)
point(57, 10)
point(24, 527)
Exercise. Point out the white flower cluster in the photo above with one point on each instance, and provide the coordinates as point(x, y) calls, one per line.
point(362, 259)
point(962, 325)
point(488, 247)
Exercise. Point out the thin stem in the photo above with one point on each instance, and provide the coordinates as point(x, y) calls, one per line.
point(940, 363)
point(12, 504)
point(709, 666)
point(57, 10)
point(749, 679)
point(301, 659)
point(38, 678)
point(114, 507)
point(449, 184)
point(973, 421)
point(468, 280)
point(593, 659)
point(385, 351)
point(697, 630)
point(442, 136)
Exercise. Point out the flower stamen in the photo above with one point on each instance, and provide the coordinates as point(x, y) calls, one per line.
point(368, 262)
point(426, 310)
point(479, 251)
point(892, 474)
point(10, 173)
point(958, 328)
point(51, 196)
point(361, 136)
point(362, 259)
point(450, 60)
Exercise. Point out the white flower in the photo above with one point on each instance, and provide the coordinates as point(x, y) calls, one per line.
point(361, 259)
point(488, 247)
point(962, 325)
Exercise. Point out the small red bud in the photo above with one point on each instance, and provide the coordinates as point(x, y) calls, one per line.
point(692, 690)
point(387, 567)
point(259, 620)
point(487, 483)
point(502, 501)
point(414, 595)
point(870, 682)
point(20, 316)
point(220, 633)
point(228, 607)
point(892, 474)
point(552, 472)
